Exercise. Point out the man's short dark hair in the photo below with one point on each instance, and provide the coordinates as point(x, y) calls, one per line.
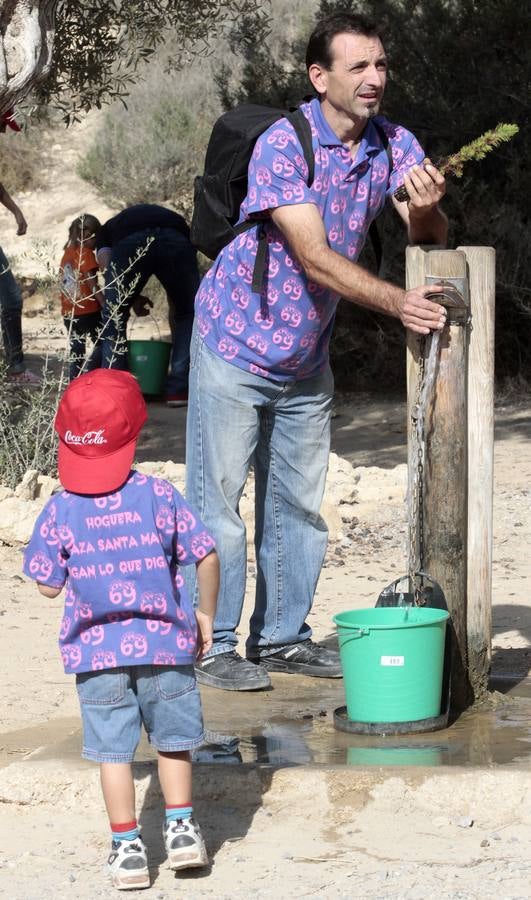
point(318, 50)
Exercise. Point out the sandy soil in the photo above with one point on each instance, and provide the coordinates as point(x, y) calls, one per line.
point(311, 831)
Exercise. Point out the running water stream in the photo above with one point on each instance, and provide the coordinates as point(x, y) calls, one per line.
point(417, 474)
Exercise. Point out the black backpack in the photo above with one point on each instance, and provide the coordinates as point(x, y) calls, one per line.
point(220, 191)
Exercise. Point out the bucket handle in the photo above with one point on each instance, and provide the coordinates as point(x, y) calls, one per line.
point(360, 629)
point(135, 320)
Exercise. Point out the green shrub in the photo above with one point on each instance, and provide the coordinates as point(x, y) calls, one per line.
point(151, 151)
point(21, 159)
point(27, 437)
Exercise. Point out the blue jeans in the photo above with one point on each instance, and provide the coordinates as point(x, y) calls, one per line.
point(11, 317)
point(236, 419)
point(172, 259)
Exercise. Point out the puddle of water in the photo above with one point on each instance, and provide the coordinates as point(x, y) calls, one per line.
point(293, 725)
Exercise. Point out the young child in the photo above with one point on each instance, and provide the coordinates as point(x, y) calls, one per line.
point(81, 298)
point(115, 539)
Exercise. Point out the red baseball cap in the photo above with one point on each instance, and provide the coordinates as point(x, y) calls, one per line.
point(99, 419)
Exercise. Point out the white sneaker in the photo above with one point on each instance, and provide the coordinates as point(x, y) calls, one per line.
point(127, 865)
point(184, 844)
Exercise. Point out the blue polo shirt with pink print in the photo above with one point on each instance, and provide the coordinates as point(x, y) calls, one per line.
point(118, 556)
point(284, 333)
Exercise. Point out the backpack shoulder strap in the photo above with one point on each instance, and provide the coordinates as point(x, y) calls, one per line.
point(304, 134)
point(385, 141)
point(374, 233)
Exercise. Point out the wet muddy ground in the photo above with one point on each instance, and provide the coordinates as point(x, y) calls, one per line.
point(293, 725)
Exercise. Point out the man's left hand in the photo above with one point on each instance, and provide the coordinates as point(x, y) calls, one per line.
point(426, 186)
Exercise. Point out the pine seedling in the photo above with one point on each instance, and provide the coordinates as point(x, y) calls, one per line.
point(477, 149)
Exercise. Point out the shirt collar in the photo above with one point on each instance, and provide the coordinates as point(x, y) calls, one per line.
point(370, 142)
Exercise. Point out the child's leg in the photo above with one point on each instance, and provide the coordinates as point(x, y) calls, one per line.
point(127, 862)
point(111, 740)
point(175, 776)
point(118, 791)
point(183, 839)
point(171, 712)
point(76, 350)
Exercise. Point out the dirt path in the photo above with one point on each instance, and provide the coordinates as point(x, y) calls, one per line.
point(307, 831)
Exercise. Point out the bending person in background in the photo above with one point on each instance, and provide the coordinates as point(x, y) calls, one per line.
point(139, 242)
point(261, 385)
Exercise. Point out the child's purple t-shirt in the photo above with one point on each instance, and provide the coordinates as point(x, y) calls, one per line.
point(284, 333)
point(119, 557)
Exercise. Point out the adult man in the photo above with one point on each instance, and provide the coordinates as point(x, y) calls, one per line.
point(141, 241)
point(10, 296)
point(260, 383)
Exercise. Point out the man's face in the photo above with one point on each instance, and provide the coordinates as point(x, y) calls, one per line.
point(355, 83)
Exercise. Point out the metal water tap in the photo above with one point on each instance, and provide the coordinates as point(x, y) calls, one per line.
point(454, 297)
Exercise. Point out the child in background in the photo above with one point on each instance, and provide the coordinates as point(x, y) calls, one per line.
point(81, 298)
point(115, 539)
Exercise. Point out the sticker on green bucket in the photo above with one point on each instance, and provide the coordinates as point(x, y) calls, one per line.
point(392, 662)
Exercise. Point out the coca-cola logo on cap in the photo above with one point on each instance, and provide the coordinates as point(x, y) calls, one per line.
point(90, 437)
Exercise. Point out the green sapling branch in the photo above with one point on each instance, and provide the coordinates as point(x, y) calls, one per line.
point(477, 149)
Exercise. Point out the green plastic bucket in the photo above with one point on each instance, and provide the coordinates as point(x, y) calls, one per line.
point(392, 660)
point(148, 362)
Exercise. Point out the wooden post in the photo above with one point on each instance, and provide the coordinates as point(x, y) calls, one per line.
point(445, 494)
point(481, 272)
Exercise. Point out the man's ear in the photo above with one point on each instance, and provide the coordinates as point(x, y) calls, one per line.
point(318, 76)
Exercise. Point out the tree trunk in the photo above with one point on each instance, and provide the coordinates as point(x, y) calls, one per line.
point(27, 29)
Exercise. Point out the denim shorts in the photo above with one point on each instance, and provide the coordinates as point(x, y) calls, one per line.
point(115, 703)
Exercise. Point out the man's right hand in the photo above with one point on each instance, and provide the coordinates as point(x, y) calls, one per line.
point(418, 313)
point(141, 306)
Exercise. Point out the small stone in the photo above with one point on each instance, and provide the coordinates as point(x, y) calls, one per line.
point(287, 856)
point(495, 837)
point(71, 878)
point(463, 822)
point(485, 843)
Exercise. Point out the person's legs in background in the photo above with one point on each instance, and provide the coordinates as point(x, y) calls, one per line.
point(175, 265)
point(11, 323)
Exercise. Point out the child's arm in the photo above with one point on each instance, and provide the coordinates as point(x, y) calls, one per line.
point(208, 583)
point(47, 591)
point(95, 292)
